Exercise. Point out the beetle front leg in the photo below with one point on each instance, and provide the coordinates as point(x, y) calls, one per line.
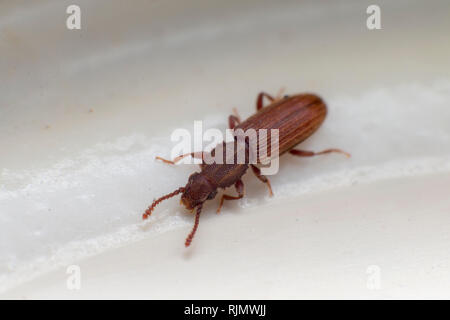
point(197, 155)
point(262, 177)
point(239, 185)
point(303, 153)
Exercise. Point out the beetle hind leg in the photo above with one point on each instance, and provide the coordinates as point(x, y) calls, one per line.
point(260, 100)
point(261, 95)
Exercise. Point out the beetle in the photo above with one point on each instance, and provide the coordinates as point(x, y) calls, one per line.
point(296, 117)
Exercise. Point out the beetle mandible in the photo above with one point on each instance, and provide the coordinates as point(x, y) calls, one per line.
point(296, 117)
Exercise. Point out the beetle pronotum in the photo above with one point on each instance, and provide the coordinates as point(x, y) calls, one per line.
point(296, 117)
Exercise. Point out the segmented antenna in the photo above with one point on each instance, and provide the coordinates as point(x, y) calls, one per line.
point(194, 229)
point(148, 212)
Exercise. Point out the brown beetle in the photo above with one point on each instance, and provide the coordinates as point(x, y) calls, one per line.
point(296, 118)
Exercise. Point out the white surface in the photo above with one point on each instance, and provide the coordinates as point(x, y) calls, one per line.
point(297, 248)
point(74, 183)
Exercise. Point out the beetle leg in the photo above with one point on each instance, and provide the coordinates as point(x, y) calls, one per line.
point(239, 185)
point(197, 155)
point(233, 121)
point(236, 114)
point(260, 98)
point(303, 153)
point(261, 95)
point(280, 93)
point(262, 177)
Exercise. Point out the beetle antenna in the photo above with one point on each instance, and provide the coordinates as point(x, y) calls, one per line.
point(194, 229)
point(148, 212)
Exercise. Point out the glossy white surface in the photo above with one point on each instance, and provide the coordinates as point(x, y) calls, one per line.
point(83, 113)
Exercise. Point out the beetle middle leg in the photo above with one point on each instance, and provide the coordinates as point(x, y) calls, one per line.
point(303, 153)
point(262, 177)
point(239, 185)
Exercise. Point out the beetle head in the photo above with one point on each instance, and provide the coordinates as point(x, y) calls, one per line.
point(197, 190)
